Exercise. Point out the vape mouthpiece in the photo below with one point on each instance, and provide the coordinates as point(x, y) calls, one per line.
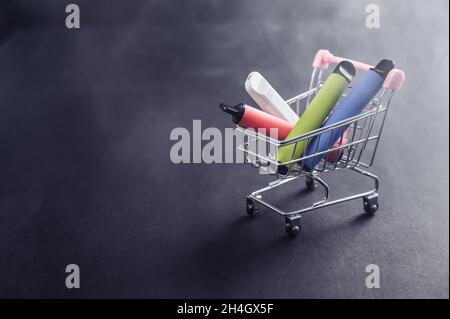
point(384, 67)
point(236, 111)
point(346, 69)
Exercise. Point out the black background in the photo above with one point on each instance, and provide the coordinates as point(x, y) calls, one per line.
point(86, 178)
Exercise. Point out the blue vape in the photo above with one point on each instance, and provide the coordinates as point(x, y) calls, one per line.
point(353, 104)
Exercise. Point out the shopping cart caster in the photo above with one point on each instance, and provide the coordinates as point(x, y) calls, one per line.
point(293, 228)
point(252, 207)
point(371, 204)
point(311, 184)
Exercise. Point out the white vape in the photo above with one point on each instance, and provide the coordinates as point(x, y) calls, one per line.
point(268, 99)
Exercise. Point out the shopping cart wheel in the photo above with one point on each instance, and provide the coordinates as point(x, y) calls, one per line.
point(292, 229)
point(252, 207)
point(311, 184)
point(371, 204)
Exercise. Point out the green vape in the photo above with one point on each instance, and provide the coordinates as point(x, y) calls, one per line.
point(316, 112)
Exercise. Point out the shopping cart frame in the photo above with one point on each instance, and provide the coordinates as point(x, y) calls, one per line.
point(365, 129)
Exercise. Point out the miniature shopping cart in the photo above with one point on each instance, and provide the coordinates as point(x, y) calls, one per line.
point(356, 152)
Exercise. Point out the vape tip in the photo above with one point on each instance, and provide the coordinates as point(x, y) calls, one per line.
point(236, 111)
point(230, 109)
point(346, 69)
point(384, 67)
point(224, 107)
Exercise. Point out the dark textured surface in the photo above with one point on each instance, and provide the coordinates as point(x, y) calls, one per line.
point(85, 174)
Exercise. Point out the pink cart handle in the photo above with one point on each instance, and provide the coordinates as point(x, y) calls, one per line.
point(324, 58)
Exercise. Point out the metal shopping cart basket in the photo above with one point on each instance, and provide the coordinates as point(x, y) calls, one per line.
point(355, 153)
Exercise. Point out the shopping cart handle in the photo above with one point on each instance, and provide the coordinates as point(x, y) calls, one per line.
point(324, 58)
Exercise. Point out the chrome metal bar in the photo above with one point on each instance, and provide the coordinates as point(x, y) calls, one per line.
point(311, 133)
point(343, 149)
point(391, 94)
point(327, 192)
point(352, 140)
point(312, 84)
point(327, 202)
point(301, 96)
point(372, 121)
point(329, 127)
point(302, 162)
point(324, 152)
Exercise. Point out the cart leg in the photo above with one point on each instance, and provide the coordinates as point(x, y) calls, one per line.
point(311, 184)
point(326, 188)
point(252, 207)
point(293, 226)
point(371, 204)
point(370, 200)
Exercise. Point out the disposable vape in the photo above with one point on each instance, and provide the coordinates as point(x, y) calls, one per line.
point(317, 111)
point(353, 104)
point(268, 99)
point(336, 154)
point(250, 117)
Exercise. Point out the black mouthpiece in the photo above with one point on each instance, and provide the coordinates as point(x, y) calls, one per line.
point(383, 68)
point(346, 69)
point(236, 111)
